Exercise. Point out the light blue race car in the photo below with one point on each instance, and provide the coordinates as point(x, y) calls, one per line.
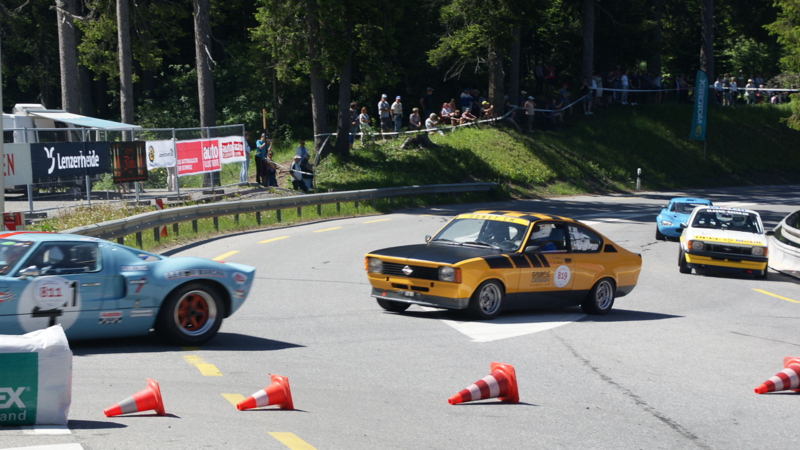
point(668, 222)
point(98, 289)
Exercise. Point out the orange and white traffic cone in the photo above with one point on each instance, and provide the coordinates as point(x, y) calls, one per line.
point(144, 400)
point(160, 206)
point(501, 383)
point(788, 378)
point(277, 393)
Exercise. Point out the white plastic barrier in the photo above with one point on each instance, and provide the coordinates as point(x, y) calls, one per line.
point(784, 246)
point(35, 378)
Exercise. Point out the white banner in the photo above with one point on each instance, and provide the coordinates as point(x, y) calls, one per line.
point(17, 164)
point(231, 149)
point(160, 154)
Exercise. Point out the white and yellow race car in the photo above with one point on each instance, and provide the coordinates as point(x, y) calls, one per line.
point(724, 240)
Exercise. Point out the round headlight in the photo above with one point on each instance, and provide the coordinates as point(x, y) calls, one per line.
point(447, 273)
point(666, 223)
point(374, 265)
point(758, 251)
point(697, 245)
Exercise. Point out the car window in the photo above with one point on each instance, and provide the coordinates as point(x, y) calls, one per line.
point(504, 234)
point(582, 240)
point(687, 208)
point(673, 207)
point(10, 253)
point(550, 237)
point(731, 220)
point(64, 258)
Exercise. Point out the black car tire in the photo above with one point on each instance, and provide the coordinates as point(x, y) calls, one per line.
point(487, 300)
point(600, 299)
point(764, 276)
point(659, 235)
point(682, 266)
point(191, 315)
point(393, 306)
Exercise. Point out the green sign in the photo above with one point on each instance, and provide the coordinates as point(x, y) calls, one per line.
point(698, 132)
point(19, 388)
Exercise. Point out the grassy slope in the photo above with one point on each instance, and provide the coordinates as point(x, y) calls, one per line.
point(746, 145)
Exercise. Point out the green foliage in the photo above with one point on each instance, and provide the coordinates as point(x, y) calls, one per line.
point(787, 29)
point(750, 56)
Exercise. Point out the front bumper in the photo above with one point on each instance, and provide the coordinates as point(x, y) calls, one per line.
point(726, 263)
point(673, 231)
point(417, 298)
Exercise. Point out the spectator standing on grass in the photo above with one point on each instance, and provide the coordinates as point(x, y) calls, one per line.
point(397, 114)
point(586, 96)
point(430, 123)
point(301, 150)
point(414, 123)
point(718, 90)
point(261, 152)
point(427, 102)
point(271, 168)
point(740, 82)
point(726, 93)
point(353, 123)
point(296, 172)
point(363, 121)
point(734, 91)
point(385, 114)
point(466, 100)
point(625, 83)
point(597, 85)
point(539, 77)
point(530, 111)
point(655, 82)
point(750, 92)
point(246, 162)
point(550, 76)
point(564, 97)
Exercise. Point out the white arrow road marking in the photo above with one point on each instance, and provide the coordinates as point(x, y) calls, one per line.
point(46, 430)
point(50, 447)
point(509, 326)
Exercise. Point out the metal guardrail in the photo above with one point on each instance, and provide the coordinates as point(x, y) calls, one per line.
point(784, 246)
point(153, 220)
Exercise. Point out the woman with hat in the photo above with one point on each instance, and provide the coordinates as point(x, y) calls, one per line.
point(750, 92)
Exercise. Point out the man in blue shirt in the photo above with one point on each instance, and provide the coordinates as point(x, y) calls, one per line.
point(246, 162)
point(301, 150)
point(261, 152)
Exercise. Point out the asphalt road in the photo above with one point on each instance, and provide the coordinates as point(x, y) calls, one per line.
point(673, 366)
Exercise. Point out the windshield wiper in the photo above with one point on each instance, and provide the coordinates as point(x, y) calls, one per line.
point(482, 243)
point(446, 240)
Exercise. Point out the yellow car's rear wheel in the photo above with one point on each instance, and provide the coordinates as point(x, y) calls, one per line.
point(601, 298)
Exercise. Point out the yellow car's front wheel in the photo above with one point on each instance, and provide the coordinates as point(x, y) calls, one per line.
point(393, 306)
point(487, 300)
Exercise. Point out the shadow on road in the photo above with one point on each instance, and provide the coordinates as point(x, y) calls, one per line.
point(152, 344)
point(626, 315)
point(93, 425)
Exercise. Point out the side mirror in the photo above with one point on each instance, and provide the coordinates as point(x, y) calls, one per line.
point(683, 225)
point(427, 238)
point(770, 233)
point(532, 249)
point(31, 271)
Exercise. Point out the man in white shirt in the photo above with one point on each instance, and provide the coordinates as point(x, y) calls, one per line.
point(718, 89)
point(397, 114)
point(384, 115)
point(625, 88)
point(430, 123)
point(246, 162)
point(530, 110)
point(734, 91)
point(297, 174)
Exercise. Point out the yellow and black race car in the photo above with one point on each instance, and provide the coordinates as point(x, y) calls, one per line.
point(490, 261)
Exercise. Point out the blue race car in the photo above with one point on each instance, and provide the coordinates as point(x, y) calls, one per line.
point(668, 222)
point(97, 289)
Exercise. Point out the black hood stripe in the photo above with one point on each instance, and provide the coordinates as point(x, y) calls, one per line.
point(520, 261)
point(534, 261)
point(543, 260)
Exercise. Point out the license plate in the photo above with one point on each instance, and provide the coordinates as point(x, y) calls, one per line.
point(408, 293)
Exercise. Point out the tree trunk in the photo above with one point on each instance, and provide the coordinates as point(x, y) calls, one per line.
point(588, 38)
point(205, 76)
point(707, 49)
point(275, 105)
point(654, 63)
point(125, 61)
point(318, 104)
point(513, 77)
point(343, 125)
point(496, 93)
point(68, 57)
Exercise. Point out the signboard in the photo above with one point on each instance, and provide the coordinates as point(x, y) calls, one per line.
point(17, 168)
point(231, 149)
point(128, 161)
point(69, 159)
point(700, 113)
point(160, 154)
point(198, 156)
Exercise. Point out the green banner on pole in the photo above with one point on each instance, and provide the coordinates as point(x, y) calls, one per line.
point(700, 114)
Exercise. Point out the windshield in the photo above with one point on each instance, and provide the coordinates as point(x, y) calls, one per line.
point(506, 235)
point(687, 208)
point(731, 220)
point(10, 253)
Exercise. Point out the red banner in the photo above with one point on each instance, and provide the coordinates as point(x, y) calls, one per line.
point(198, 156)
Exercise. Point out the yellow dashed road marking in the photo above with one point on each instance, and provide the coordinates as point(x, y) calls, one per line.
point(273, 239)
point(379, 220)
point(233, 398)
point(225, 255)
point(291, 440)
point(776, 296)
point(327, 229)
point(208, 370)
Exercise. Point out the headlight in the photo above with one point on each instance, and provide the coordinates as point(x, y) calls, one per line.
point(666, 223)
point(450, 274)
point(759, 251)
point(697, 245)
point(374, 265)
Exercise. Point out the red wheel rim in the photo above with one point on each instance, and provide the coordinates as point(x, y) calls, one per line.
point(195, 312)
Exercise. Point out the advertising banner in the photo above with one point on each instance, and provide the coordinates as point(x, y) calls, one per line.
point(700, 113)
point(160, 154)
point(198, 156)
point(231, 149)
point(70, 159)
point(17, 168)
point(128, 161)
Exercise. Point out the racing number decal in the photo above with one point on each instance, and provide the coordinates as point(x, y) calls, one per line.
point(48, 301)
point(561, 277)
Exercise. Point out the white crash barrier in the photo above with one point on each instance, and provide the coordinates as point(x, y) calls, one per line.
point(35, 378)
point(784, 246)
